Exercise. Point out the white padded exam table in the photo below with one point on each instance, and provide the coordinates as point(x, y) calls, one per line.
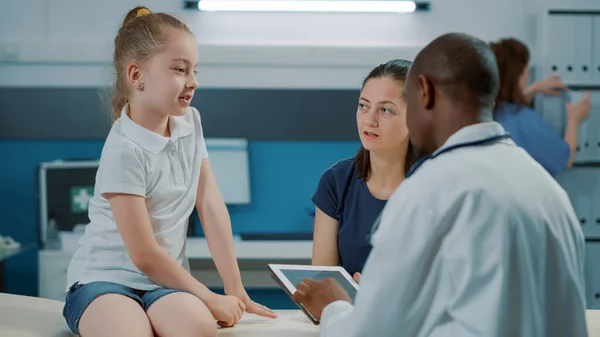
point(22, 316)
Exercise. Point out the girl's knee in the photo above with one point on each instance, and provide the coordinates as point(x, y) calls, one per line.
point(195, 326)
point(201, 323)
point(181, 314)
point(206, 328)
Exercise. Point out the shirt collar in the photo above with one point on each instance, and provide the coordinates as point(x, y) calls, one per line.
point(152, 141)
point(472, 133)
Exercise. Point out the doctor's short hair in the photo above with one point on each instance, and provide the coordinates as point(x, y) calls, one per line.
point(398, 71)
point(141, 36)
point(463, 67)
point(512, 57)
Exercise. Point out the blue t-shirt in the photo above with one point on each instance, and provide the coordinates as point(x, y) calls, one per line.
point(356, 215)
point(531, 132)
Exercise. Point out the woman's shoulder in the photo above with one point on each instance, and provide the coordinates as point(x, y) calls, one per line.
point(331, 186)
point(337, 174)
point(341, 168)
point(510, 109)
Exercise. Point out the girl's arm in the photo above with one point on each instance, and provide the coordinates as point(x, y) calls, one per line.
point(216, 223)
point(133, 223)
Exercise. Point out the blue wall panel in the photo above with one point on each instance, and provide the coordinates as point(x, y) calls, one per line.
point(283, 176)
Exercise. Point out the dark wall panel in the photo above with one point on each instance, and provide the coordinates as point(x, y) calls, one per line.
point(256, 114)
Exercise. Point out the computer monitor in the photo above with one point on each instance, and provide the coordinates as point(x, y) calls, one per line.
point(65, 188)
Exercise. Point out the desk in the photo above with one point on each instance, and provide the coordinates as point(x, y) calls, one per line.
point(253, 257)
point(593, 322)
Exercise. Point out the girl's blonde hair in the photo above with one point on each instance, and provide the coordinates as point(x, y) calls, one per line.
point(139, 37)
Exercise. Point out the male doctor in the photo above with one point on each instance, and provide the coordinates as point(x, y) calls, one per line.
point(479, 240)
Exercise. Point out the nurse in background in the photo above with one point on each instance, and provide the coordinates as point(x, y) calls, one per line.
point(352, 193)
point(528, 129)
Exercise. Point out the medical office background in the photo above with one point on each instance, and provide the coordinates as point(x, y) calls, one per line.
point(277, 96)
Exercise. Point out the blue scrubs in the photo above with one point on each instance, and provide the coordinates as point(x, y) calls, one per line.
point(531, 132)
point(355, 215)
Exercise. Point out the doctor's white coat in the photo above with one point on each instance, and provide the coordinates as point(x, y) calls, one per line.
point(480, 241)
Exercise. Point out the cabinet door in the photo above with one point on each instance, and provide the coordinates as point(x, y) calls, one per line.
point(596, 48)
point(577, 183)
point(593, 231)
point(593, 128)
point(569, 47)
point(552, 110)
point(592, 275)
point(586, 149)
point(52, 278)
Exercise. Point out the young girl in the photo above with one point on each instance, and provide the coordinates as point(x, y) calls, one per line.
point(129, 275)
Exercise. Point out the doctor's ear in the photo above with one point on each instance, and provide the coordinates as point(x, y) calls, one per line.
point(426, 92)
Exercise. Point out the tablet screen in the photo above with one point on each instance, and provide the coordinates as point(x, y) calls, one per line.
point(297, 276)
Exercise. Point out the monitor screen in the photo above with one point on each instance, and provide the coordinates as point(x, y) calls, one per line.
point(69, 187)
point(68, 193)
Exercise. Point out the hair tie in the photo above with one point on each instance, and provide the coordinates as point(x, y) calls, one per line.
point(142, 12)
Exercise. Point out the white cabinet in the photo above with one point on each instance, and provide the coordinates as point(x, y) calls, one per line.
point(253, 259)
point(596, 51)
point(569, 47)
point(592, 275)
point(53, 274)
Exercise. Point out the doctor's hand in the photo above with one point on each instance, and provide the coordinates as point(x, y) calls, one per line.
point(251, 306)
point(356, 277)
point(315, 296)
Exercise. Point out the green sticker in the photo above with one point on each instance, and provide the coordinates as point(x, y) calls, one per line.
point(80, 198)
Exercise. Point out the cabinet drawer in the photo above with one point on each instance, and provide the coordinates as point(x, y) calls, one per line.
point(53, 274)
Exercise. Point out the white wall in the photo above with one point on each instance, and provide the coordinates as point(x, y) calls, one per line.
point(68, 42)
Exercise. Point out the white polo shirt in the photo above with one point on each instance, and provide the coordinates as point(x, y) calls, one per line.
point(165, 171)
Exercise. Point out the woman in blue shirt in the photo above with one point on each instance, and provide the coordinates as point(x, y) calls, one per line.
point(528, 129)
point(352, 193)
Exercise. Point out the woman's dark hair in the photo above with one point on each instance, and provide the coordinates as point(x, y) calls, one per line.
point(398, 71)
point(512, 57)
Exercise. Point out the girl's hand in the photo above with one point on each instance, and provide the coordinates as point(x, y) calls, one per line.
point(227, 310)
point(251, 306)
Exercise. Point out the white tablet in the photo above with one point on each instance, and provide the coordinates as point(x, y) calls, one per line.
point(289, 276)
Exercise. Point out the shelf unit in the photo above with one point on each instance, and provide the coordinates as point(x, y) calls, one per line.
point(570, 47)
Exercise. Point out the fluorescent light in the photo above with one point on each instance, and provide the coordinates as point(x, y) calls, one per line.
point(307, 6)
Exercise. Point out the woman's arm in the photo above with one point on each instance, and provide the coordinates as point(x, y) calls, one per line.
point(325, 237)
point(217, 228)
point(551, 85)
point(576, 113)
point(571, 135)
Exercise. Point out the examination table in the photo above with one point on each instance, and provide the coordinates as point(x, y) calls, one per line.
point(22, 316)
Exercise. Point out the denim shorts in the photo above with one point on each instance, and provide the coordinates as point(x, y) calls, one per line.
point(80, 296)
